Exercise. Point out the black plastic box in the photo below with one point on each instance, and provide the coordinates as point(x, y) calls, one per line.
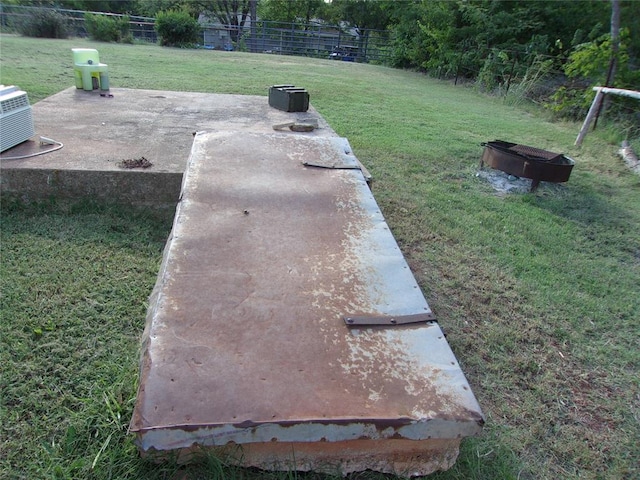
point(289, 98)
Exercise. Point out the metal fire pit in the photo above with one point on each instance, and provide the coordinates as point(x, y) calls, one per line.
point(527, 162)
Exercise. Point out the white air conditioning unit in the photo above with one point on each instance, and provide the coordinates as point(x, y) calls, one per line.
point(16, 121)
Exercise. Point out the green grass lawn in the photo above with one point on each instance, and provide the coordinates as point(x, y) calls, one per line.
point(539, 294)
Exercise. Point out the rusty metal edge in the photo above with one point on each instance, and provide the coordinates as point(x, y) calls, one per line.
point(388, 320)
point(173, 437)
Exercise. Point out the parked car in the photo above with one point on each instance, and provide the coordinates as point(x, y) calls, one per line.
point(346, 53)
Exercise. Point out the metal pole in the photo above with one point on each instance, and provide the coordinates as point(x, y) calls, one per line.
point(590, 115)
point(596, 101)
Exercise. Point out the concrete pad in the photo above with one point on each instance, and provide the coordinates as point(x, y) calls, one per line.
point(248, 340)
point(99, 132)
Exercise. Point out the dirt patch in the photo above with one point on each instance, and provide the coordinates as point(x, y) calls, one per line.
point(135, 163)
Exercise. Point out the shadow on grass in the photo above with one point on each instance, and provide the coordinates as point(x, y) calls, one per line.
point(477, 460)
point(72, 359)
point(482, 458)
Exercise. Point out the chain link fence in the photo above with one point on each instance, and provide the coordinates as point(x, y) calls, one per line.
point(13, 16)
point(311, 40)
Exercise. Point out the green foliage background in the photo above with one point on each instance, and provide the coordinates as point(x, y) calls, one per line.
point(547, 51)
point(108, 29)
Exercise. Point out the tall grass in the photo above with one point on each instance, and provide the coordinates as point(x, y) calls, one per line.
point(539, 294)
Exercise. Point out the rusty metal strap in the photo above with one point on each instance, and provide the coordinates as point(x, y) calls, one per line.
point(388, 320)
point(336, 165)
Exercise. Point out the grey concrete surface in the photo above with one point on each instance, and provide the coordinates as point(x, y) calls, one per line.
point(99, 132)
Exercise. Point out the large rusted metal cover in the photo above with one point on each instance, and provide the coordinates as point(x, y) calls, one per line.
point(259, 331)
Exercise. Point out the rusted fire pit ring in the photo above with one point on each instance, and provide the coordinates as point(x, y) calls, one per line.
point(527, 162)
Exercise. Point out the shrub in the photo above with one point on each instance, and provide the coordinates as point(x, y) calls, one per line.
point(495, 70)
point(587, 67)
point(176, 28)
point(107, 28)
point(45, 23)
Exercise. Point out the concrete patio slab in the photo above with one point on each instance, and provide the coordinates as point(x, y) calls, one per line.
point(99, 132)
point(277, 253)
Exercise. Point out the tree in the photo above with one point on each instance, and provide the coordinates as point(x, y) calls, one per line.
point(108, 6)
point(489, 35)
point(615, 41)
point(151, 8)
point(365, 15)
point(613, 61)
point(233, 14)
point(290, 11)
point(630, 20)
point(253, 14)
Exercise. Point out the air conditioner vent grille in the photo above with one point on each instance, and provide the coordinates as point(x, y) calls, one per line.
point(16, 121)
point(13, 103)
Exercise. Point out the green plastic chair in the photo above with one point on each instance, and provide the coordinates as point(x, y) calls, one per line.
point(89, 73)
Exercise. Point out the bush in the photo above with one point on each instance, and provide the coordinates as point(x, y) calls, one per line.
point(176, 28)
point(45, 23)
point(587, 67)
point(107, 28)
point(496, 70)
